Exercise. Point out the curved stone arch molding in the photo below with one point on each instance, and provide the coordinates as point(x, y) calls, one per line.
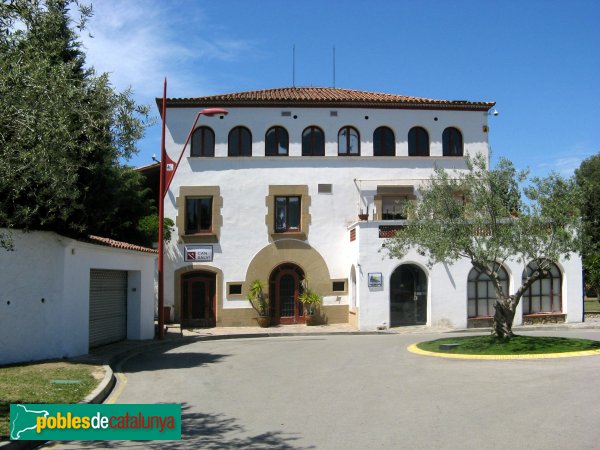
point(290, 251)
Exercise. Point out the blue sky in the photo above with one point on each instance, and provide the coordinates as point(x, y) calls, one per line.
point(539, 60)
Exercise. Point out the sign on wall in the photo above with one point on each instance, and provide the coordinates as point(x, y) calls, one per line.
point(375, 279)
point(198, 253)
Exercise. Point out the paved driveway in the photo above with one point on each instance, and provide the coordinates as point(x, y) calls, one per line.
point(365, 392)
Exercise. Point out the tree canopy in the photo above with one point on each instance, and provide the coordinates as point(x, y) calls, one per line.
point(64, 129)
point(485, 216)
point(588, 178)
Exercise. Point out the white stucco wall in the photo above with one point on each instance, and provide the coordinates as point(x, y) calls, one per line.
point(446, 285)
point(244, 185)
point(44, 295)
point(244, 182)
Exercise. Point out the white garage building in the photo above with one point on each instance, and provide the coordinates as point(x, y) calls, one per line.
point(59, 297)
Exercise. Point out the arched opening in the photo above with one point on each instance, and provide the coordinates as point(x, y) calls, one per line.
point(481, 294)
point(408, 296)
point(284, 290)
point(545, 294)
point(198, 299)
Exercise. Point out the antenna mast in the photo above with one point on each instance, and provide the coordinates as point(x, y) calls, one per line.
point(334, 66)
point(294, 65)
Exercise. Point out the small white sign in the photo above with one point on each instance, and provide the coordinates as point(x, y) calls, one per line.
point(198, 253)
point(170, 167)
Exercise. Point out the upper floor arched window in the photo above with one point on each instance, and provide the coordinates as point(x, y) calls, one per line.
point(203, 142)
point(452, 142)
point(313, 141)
point(348, 141)
point(418, 142)
point(545, 294)
point(240, 142)
point(384, 142)
point(277, 142)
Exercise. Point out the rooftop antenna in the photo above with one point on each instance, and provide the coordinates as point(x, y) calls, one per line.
point(294, 65)
point(334, 66)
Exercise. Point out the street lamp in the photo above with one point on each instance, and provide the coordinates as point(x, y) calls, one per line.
point(170, 167)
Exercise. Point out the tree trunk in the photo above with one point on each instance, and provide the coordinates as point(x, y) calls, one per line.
point(503, 319)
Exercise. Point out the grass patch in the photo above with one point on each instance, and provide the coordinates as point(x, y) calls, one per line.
point(591, 305)
point(518, 345)
point(32, 383)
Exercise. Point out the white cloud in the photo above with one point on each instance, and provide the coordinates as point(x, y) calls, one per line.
point(566, 164)
point(141, 42)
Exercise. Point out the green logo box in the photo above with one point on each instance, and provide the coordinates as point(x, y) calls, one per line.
point(87, 422)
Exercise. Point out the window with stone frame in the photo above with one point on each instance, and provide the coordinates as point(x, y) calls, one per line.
point(287, 214)
point(198, 215)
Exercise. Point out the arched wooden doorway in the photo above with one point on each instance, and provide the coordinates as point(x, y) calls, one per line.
point(284, 290)
point(408, 296)
point(198, 300)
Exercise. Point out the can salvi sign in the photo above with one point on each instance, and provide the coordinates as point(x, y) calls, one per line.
point(198, 253)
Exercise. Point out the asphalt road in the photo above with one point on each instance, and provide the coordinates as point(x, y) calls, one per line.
point(363, 392)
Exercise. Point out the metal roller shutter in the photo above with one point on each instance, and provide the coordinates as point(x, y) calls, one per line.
point(108, 306)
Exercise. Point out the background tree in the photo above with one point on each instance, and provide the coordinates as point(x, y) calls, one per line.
point(482, 215)
point(64, 130)
point(588, 179)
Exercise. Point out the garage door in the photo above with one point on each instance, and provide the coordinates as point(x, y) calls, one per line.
point(108, 306)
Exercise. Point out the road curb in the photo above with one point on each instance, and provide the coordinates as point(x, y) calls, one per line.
point(416, 350)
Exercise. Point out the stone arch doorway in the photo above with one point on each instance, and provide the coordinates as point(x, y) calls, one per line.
point(284, 290)
point(198, 299)
point(408, 296)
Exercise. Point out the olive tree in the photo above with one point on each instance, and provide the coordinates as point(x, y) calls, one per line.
point(487, 217)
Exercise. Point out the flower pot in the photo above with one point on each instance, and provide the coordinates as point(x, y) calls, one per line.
point(363, 216)
point(312, 320)
point(263, 321)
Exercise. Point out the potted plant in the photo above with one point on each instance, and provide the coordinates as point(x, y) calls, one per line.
point(362, 215)
point(311, 301)
point(260, 302)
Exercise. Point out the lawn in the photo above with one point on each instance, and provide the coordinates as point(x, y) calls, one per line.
point(591, 305)
point(51, 382)
point(519, 345)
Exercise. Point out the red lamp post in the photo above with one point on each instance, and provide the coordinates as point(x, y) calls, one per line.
point(167, 171)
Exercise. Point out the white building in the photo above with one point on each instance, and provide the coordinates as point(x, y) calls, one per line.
point(59, 296)
point(273, 191)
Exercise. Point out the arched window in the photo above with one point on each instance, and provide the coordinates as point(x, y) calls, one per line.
point(348, 141)
point(481, 293)
point(452, 142)
point(545, 294)
point(240, 142)
point(203, 142)
point(313, 141)
point(276, 142)
point(418, 142)
point(384, 142)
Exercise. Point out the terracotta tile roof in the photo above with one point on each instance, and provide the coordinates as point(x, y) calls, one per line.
point(118, 244)
point(322, 97)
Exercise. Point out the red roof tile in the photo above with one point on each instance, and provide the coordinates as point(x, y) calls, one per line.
point(319, 96)
point(118, 244)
